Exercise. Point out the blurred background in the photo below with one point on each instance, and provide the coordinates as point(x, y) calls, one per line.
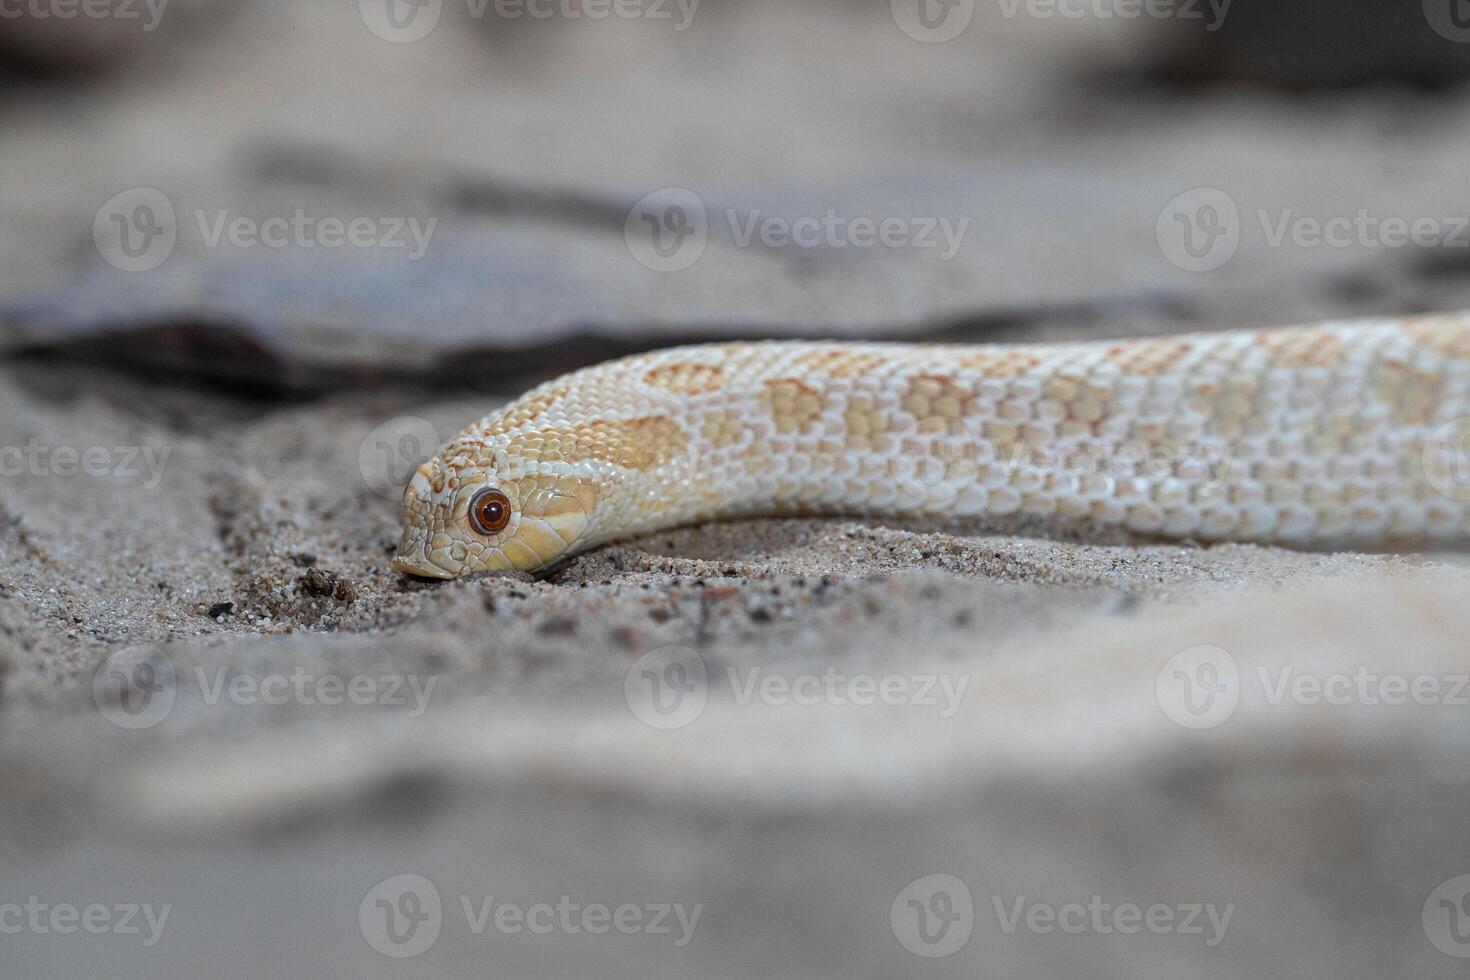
point(265, 239)
point(1080, 138)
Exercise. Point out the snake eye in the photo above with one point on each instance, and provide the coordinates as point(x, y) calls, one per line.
point(490, 511)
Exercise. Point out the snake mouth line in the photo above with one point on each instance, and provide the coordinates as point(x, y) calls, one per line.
point(415, 565)
point(412, 557)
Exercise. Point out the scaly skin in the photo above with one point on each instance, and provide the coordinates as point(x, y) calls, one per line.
point(1305, 435)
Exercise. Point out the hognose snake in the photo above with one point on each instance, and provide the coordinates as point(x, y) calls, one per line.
point(1348, 431)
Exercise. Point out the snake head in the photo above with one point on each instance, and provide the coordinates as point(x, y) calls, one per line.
point(461, 518)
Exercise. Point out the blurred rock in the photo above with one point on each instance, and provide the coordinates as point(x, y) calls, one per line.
point(69, 38)
point(535, 257)
point(1315, 43)
point(81, 46)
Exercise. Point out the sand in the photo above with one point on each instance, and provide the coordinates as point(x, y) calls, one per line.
point(319, 724)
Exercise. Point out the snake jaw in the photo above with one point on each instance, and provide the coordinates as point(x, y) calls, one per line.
point(554, 518)
point(415, 558)
point(419, 567)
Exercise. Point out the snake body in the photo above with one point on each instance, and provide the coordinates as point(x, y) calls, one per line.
point(1347, 431)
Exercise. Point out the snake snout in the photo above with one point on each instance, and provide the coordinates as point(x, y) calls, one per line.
point(413, 556)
